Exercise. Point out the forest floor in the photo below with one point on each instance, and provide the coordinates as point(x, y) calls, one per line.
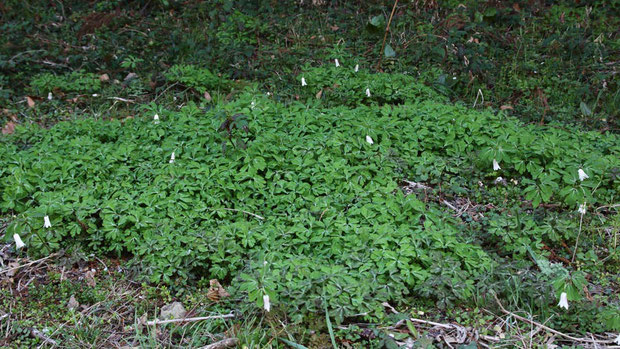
point(297, 176)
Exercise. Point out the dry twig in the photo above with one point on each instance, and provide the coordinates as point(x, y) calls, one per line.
point(225, 343)
point(190, 319)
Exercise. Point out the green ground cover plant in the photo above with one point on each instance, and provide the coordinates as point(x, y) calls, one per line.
point(307, 189)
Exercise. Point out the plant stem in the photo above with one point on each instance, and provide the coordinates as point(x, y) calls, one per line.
point(387, 29)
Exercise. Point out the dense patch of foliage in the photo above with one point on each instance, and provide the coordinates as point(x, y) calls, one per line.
point(328, 197)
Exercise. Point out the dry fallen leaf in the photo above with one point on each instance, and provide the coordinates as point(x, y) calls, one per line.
point(504, 107)
point(216, 291)
point(8, 128)
point(208, 96)
point(90, 278)
point(12, 269)
point(30, 101)
point(73, 303)
point(319, 94)
point(104, 77)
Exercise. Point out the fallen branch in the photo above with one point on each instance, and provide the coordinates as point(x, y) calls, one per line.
point(532, 322)
point(225, 343)
point(190, 319)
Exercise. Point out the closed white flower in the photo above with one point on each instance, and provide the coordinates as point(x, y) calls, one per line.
point(18, 241)
point(582, 175)
point(266, 303)
point(337, 63)
point(367, 92)
point(499, 180)
point(303, 81)
point(496, 165)
point(369, 140)
point(156, 118)
point(46, 222)
point(172, 157)
point(582, 208)
point(357, 68)
point(563, 301)
point(49, 96)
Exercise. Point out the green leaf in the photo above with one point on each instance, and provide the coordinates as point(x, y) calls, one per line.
point(329, 328)
point(377, 21)
point(389, 51)
point(585, 110)
point(292, 344)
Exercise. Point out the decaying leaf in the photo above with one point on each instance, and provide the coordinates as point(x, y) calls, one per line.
point(30, 101)
point(208, 96)
point(73, 303)
point(216, 291)
point(8, 128)
point(104, 77)
point(319, 94)
point(505, 107)
point(90, 278)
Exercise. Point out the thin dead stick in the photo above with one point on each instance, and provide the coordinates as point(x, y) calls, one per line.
point(38, 334)
point(225, 343)
point(190, 319)
point(122, 99)
point(547, 328)
point(246, 212)
point(387, 29)
point(27, 264)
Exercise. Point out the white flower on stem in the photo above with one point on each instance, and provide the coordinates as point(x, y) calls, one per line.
point(617, 341)
point(582, 209)
point(496, 165)
point(582, 175)
point(18, 241)
point(172, 158)
point(156, 118)
point(357, 68)
point(303, 81)
point(563, 301)
point(49, 96)
point(369, 140)
point(337, 63)
point(367, 92)
point(266, 303)
point(46, 222)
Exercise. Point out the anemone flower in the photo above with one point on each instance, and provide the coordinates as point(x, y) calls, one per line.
point(369, 140)
point(582, 175)
point(46, 222)
point(563, 301)
point(18, 241)
point(496, 165)
point(172, 158)
point(303, 82)
point(266, 303)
